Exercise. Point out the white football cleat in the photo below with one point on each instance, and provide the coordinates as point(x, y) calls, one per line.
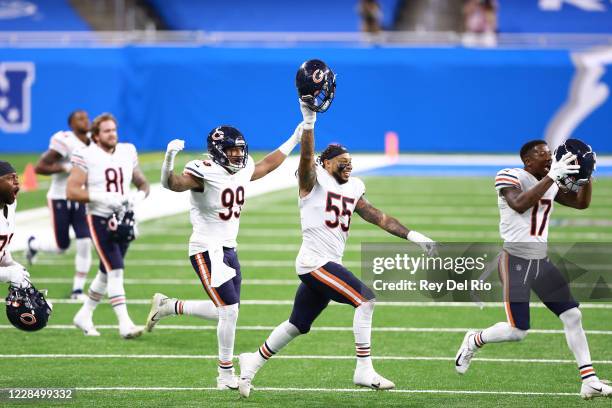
point(160, 307)
point(249, 364)
point(244, 387)
point(371, 379)
point(465, 354)
point(78, 295)
point(595, 388)
point(30, 252)
point(131, 332)
point(85, 323)
point(227, 381)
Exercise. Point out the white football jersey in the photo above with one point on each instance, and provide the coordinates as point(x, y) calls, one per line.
point(215, 212)
point(525, 235)
point(64, 142)
point(7, 229)
point(325, 215)
point(107, 172)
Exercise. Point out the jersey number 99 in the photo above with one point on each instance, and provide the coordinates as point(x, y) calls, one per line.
point(229, 198)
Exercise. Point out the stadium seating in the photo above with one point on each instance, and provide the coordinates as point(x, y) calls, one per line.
point(265, 15)
point(40, 15)
point(555, 16)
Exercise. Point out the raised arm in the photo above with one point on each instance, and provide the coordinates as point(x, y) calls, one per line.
point(580, 200)
point(374, 216)
point(177, 182)
point(307, 175)
point(277, 157)
point(50, 163)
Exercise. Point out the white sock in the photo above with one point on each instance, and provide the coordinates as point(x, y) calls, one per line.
point(82, 262)
point(577, 342)
point(204, 309)
point(116, 296)
point(97, 290)
point(279, 338)
point(226, 333)
point(46, 244)
point(362, 329)
point(497, 333)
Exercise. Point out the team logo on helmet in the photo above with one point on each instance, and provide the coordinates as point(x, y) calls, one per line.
point(318, 76)
point(28, 318)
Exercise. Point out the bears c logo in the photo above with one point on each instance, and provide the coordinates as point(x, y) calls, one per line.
point(318, 76)
point(27, 318)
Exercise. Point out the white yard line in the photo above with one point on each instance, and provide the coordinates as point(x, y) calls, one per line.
point(336, 390)
point(320, 328)
point(266, 302)
point(292, 357)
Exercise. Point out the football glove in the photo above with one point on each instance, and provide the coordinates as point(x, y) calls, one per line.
point(175, 146)
point(18, 276)
point(428, 245)
point(562, 168)
point(115, 201)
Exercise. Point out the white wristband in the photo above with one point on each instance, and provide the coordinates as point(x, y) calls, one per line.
point(288, 146)
point(67, 167)
point(417, 237)
point(167, 167)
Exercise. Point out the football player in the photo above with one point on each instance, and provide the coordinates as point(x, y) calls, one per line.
point(217, 189)
point(56, 161)
point(328, 197)
point(101, 177)
point(26, 308)
point(525, 197)
point(10, 271)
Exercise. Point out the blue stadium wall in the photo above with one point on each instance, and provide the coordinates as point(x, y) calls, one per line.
point(437, 100)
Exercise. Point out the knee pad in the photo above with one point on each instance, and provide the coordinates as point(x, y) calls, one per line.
point(571, 317)
point(83, 254)
point(228, 312)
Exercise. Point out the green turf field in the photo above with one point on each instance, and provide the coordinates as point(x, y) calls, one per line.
point(413, 346)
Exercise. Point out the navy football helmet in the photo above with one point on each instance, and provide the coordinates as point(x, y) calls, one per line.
point(122, 226)
point(225, 137)
point(585, 157)
point(27, 308)
point(316, 85)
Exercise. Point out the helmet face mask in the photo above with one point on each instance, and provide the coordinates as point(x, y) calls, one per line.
point(27, 308)
point(585, 157)
point(316, 85)
point(222, 139)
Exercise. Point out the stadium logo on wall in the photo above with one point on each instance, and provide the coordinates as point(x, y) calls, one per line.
point(10, 10)
point(16, 79)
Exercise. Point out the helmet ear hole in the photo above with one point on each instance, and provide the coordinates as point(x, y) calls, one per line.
point(316, 85)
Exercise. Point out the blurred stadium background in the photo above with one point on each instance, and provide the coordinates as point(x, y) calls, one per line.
point(461, 85)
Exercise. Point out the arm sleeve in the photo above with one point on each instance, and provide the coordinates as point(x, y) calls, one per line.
point(507, 178)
